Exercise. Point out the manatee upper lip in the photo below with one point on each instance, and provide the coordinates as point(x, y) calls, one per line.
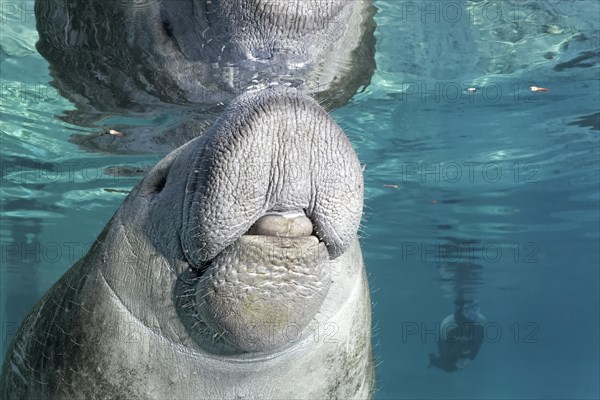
point(271, 151)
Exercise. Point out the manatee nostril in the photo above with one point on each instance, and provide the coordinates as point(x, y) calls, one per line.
point(160, 185)
point(167, 28)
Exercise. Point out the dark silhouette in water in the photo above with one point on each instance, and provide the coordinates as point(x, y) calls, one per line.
point(461, 337)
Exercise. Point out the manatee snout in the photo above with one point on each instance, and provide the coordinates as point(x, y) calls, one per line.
point(273, 196)
point(270, 151)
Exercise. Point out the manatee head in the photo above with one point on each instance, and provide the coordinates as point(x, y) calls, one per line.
point(251, 217)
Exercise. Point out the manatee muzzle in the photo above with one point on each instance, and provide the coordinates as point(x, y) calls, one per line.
point(262, 291)
point(275, 194)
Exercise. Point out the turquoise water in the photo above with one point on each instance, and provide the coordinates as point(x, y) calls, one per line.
point(492, 193)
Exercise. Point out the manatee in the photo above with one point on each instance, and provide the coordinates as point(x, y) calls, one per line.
point(189, 58)
point(232, 270)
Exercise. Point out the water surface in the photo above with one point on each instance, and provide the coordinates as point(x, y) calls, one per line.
point(491, 193)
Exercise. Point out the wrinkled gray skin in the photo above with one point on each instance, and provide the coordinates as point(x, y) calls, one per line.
point(140, 57)
point(232, 270)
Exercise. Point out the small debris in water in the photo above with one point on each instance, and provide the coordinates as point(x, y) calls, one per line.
point(391, 186)
point(126, 170)
point(538, 89)
point(116, 133)
point(433, 201)
point(116, 190)
point(553, 29)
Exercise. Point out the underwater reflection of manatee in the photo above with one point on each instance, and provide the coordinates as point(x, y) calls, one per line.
point(188, 58)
